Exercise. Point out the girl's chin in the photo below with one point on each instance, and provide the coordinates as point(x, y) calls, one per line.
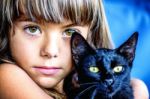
point(47, 83)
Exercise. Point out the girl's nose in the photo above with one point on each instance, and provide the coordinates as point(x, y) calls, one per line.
point(50, 47)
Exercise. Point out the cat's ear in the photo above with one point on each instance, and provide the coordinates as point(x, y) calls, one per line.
point(79, 47)
point(127, 49)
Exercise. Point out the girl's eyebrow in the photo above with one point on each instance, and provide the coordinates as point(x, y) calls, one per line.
point(71, 25)
point(24, 18)
point(27, 19)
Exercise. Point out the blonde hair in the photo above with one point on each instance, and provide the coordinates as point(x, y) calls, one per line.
point(83, 12)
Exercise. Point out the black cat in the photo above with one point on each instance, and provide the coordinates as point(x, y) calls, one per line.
point(101, 73)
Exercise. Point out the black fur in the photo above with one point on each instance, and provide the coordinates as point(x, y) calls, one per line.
point(96, 73)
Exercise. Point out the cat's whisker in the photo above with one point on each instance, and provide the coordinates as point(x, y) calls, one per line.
point(125, 84)
point(82, 92)
point(94, 94)
point(91, 83)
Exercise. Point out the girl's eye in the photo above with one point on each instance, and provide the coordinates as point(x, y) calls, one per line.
point(32, 30)
point(69, 32)
point(117, 69)
point(94, 69)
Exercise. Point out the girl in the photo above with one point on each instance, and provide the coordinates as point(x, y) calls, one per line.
point(35, 52)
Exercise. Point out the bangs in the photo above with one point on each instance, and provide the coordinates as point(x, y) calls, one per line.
point(57, 11)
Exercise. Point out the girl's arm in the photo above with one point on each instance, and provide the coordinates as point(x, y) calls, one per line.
point(16, 84)
point(140, 89)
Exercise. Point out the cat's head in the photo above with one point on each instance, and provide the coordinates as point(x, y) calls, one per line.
point(107, 67)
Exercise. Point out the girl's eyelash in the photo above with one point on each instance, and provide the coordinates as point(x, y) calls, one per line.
point(29, 26)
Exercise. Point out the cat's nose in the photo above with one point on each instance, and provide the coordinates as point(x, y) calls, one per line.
point(109, 81)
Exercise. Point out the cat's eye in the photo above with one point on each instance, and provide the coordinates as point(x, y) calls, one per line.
point(94, 69)
point(117, 69)
point(69, 32)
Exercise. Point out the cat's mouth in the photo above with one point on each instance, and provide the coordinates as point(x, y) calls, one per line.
point(109, 89)
point(107, 92)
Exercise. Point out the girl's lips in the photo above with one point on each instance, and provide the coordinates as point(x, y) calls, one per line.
point(47, 70)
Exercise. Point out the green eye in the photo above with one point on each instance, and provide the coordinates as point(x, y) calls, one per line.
point(118, 69)
point(33, 30)
point(69, 32)
point(94, 69)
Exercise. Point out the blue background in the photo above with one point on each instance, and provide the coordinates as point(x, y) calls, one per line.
point(124, 18)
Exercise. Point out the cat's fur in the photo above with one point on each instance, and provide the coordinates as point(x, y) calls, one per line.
point(105, 83)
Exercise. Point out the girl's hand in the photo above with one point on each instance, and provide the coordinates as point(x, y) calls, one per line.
point(140, 89)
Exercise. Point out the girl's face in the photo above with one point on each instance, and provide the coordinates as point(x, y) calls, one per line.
point(42, 49)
